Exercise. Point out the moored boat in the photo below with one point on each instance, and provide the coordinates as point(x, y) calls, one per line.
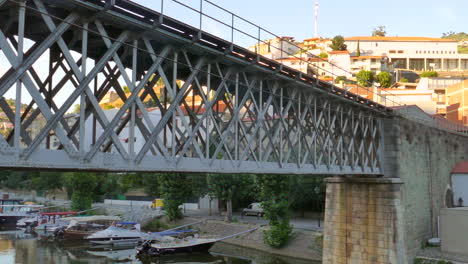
point(83, 226)
point(169, 245)
point(119, 234)
point(10, 214)
point(177, 246)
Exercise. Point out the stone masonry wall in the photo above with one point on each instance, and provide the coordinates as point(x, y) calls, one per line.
point(363, 221)
point(423, 158)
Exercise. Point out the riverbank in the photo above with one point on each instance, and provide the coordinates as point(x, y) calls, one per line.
point(304, 244)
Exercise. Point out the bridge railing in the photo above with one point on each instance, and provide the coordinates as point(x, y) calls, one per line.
point(261, 37)
point(434, 121)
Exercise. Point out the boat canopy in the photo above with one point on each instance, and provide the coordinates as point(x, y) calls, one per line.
point(92, 218)
point(58, 213)
point(126, 223)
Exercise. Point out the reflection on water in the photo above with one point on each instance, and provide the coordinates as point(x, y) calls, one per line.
point(18, 247)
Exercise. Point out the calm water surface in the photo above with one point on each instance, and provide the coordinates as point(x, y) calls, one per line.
point(20, 248)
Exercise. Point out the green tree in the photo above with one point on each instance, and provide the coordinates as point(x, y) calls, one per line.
point(403, 79)
point(365, 78)
point(429, 74)
point(379, 31)
point(385, 79)
point(456, 36)
point(358, 49)
point(175, 189)
point(83, 185)
point(16, 180)
point(227, 186)
point(275, 193)
point(47, 181)
point(338, 43)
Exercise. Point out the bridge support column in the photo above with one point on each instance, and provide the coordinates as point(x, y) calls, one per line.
point(363, 221)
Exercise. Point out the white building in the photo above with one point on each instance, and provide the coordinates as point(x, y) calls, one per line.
point(414, 53)
point(276, 48)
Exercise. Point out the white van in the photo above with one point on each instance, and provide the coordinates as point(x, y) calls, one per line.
point(253, 209)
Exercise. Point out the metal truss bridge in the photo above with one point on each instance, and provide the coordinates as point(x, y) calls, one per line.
point(189, 101)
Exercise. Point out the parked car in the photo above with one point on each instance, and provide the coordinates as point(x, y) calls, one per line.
point(253, 209)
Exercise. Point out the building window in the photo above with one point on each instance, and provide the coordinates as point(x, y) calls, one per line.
point(376, 44)
point(323, 64)
point(373, 60)
point(400, 51)
point(392, 51)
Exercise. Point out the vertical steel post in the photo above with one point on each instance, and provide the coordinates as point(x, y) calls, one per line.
point(232, 28)
point(281, 127)
point(131, 129)
point(299, 129)
point(174, 92)
point(84, 53)
point(48, 89)
point(262, 118)
point(236, 106)
point(208, 96)
point(21, 22)
point(161, 16)
point(201, 14)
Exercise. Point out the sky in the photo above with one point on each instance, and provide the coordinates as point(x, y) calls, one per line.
point(429, 18)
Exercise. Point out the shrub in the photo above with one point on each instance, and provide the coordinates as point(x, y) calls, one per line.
point(340, 79)
point(155, 226)
point(323, 55)
point(278, 234)
point(429, 74)
point(403, 79)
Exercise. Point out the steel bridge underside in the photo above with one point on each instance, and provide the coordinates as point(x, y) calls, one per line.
point(215, 107)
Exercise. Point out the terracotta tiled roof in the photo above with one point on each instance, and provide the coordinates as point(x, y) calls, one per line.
point(405, 39)
point(339, 52)
point(461, 167)
point(311, 39)
point(367, 57)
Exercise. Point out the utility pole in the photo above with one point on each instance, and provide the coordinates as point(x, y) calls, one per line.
point(316, 34)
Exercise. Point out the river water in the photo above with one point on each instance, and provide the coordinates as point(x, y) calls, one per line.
point(21, 248)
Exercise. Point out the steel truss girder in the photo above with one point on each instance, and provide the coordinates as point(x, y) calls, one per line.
point(207, 115)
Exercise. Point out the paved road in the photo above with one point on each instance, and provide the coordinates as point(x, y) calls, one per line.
point(298, 223)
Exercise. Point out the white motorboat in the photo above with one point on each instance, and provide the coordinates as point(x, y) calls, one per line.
point(119, 234)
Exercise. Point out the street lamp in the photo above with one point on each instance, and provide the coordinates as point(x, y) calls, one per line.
point(317, 192)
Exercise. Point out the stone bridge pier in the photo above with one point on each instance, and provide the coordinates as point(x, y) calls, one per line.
point(386, 218)
point(363, 221)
